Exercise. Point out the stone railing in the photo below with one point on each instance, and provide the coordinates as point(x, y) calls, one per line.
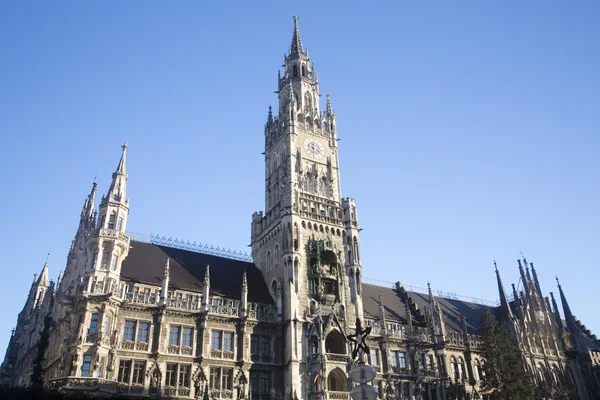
point(262, 313)
point(331, 395)
point(220, 394)
point(137, 346)
point(224, 307)
point(97, 384)
point(337, 357)
point(113, 234)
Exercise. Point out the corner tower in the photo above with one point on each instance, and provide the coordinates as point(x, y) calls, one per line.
point(306, 242)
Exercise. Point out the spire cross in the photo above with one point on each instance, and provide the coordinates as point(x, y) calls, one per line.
point(124, 147)
point(495, 265)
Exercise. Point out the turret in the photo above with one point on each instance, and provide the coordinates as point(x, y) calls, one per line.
point(504, 305)
point(244, 299)
point(165, 284)
point(536, 282)
point(206, 290)
point(556, 312)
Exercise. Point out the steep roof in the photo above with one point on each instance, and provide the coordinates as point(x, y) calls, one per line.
point(145, 264)
point(395, 307)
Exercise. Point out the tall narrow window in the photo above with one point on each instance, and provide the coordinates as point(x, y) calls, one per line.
point(139, 371)
point(142, 334)
point(254, 345)
point(129, 330)
point(215, 378)
point(402, 359)
point(254, 381)
point(113, 263)
point(111, 221)
point(104, 263)
point(93, 324)
point(87, 363)
point(171, 375)
point(265, 382)
point(228, 341)
point(227, 379)
point(215, 341)
point(95, 260)
point(184, 376)
point(394, 359)
point(265, 348)
point(106, 326)
point(99, 370)
point(119, 223)
point(374, 357)
point(186, 337)
point(174, 336)
point(124, 371)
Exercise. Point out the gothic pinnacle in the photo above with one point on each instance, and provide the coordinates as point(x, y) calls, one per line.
point(296, 47)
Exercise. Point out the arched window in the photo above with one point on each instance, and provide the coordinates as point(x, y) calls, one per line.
point(295, 70)
point(334, 343)
point(336, 381)
point(112, 219)
point(95, 259)
point(268, 261)
point(276, 256)
point(479, 372)
point(454, 366)
point(555, 374)
point(461, 368)
point(358, 282)
point(314, 346)
point(303, 70)
point(541, 372)
point(308, 101)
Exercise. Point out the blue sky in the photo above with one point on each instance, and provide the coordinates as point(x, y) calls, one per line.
point(469, 130)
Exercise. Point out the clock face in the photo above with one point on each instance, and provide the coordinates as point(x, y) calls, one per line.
point(314, 148)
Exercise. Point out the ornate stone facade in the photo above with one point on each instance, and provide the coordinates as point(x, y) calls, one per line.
point(144, 318)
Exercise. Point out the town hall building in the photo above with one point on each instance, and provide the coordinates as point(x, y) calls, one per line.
point(167, 318)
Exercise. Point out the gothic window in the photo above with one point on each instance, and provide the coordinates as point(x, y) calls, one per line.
point(358, 282)
point(314, 346)
point(119, 223)
point(113, 262)
point(295, 70)
point(174, 332)
point(95, 259)
point(215, 340)
point(268, 261)
point(184, 376)
point(142, 334)
point(227, 383)
point(374, 357)
point(308, 107)
point(106, 326)
point(139, 368)
point(461, 368)
point(276, 256)
point(454, 366)
point(334, 343)
point(124, 371)
point(303, 70)
point(111, 220)
point(86, 366)
point(99, 369)
point(228, 341)
point(104, 262)
point(171, 375)
point(93, 324)
point(186, 337)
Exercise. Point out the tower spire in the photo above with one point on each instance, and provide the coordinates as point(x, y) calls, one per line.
point(556, 312)
point(504, 305)
point(43, 279)
point(296, 47)
point(117, 192)
point(570, 319)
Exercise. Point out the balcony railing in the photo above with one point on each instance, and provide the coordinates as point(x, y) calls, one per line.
point(342, 358)
point(331, 395)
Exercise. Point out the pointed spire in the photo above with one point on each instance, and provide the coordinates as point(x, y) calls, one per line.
point(117, 192)
point(556, 312)
point(328, 107)
point(431, 299)
point(296, 47)
point(523, 278)
point(43, 279)
point(570, 319)
point(504, 305)
point(59, 280)
point(536, 282)
point(206, 289)
point(270, 116)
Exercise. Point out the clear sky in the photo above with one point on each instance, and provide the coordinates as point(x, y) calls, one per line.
point(469, 130)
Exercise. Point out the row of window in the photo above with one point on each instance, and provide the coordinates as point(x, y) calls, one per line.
point(180, 336)
point(260, 345)
point(104, 261)
point(126, 367)
point(94, 320)
point(86, 366)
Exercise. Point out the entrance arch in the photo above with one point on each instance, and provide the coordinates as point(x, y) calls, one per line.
point(336, 381)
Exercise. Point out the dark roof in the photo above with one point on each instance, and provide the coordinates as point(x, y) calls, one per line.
point(395, 309)
point(146, 262)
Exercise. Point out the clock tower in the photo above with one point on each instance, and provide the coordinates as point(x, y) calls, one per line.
point(306, 242)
